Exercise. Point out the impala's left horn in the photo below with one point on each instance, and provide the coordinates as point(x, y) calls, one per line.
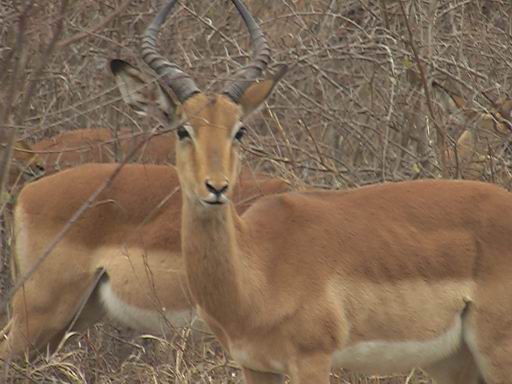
point(180, 82)
point(259, 61)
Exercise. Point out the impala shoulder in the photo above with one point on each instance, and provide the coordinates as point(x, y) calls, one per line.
point(57, 190)
point(134, 192)
point(278, 206)
point(450, 188)
point(481, 189)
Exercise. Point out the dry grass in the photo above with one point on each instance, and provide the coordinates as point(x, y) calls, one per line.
point(347, 114)
point(108, 355)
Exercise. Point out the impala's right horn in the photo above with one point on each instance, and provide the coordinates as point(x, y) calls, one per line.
point(260, 58)
point(180, 82)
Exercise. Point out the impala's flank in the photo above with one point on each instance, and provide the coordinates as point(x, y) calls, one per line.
point(122, 258)
point(378, 279)
point(91, 145)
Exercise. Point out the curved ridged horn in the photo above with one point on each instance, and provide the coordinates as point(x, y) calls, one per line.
point(260, 57)
point(180, 82)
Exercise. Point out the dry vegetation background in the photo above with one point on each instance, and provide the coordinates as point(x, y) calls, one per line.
point(348, 113)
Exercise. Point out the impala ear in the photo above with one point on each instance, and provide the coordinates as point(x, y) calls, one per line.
point(25, 158)
point(450, 100)
point(23, 145)
point(505, 109)
point(259, 91)
point(141, 92)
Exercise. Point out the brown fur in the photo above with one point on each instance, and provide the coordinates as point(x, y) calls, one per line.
point(302, 276)
point(91, 145)
point(132, 233)
point(379, 279)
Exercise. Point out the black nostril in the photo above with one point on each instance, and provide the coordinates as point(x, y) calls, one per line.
point(217, 190)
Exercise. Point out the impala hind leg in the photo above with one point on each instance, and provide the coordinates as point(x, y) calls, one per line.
point(89, 312)
point(459, 368)
point(488, 334)
point(255, 377)
point(495, 358)
point(40, 318)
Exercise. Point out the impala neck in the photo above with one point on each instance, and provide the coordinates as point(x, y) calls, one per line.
point(214, 270)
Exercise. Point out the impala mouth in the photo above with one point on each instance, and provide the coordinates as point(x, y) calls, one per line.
point(214, 199)
point(214, 202)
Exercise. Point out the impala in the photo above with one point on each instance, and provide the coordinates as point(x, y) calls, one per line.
point(379, 279)
point(122, 258)
point(71, 148)
point(484, 136)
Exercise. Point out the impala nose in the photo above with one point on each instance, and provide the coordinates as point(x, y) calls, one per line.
point(217, 188)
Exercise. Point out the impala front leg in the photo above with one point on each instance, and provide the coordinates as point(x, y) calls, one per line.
point(256, 377)
point(311, 370)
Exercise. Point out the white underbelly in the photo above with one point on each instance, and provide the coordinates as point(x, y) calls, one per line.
point(387, 357)
point(155, 321)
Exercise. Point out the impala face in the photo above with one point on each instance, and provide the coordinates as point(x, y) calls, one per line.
point(504, 114)
point(208, 148)
point(209, 129)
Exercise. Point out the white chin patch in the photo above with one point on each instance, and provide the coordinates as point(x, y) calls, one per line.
point(213, 199)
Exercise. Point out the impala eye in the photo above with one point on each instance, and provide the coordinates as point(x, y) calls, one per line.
point(182, 133)
point(240, 134)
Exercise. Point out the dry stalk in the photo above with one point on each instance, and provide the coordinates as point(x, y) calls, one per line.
point(441, 134)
